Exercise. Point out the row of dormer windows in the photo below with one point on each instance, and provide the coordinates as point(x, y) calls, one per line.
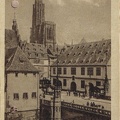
point(90, 71)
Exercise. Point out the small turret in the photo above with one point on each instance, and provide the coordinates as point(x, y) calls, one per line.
point(15, 29)
point(14, 26)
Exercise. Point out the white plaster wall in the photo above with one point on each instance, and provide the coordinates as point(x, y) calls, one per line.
point(21, 84)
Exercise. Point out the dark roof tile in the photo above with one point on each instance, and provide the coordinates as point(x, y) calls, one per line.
point(87, 53)
point(16, 61)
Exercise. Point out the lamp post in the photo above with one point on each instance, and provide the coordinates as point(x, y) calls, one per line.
point(57, 96)
point(106, 78)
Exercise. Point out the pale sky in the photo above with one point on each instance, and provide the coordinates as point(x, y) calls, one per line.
point(74, 19)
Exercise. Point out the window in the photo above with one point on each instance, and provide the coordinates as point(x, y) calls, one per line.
point(16, 96)
point(34, 74)
point(90, 71)
point(64, 71)
point(33, 94)
point(16, 74)
point(98, 83)
point(98, 71)
point(54, 81)
point(64, 82)
point(25, 74)
point(73, 71)
point(82, 84)
point(25, 95)
point(82, 71)
point(54, 71)
point(59, 71)
point(56, 109)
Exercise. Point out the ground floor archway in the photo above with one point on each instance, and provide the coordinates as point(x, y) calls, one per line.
point(73, 86)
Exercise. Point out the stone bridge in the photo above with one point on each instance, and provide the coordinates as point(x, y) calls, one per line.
point(70, 111)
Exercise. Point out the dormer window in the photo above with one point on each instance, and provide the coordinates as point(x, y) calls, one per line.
point(89, 46)
point(63, 61)
point(34, 49)
point(92, 53)
point(86, 53)
point(74, 54)
point(82, 46)
point(103, 44)
point(106, 51)
point(109, 43)
point(101, 60)
point(69, 62)
point(68, 54)
point(21, 59)
point(36, 54)
point(73, 61)
point(87, 61)
point(79, 53)
point(95, 45)
point(81, 61)
point(99, 52)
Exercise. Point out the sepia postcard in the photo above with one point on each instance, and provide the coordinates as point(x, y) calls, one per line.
point(59, 60)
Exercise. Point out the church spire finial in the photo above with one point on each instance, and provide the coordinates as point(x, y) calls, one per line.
point(14, 5)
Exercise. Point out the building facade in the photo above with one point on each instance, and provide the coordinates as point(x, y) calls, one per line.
point(42, 32)
point(21, 86)
point(84, 64)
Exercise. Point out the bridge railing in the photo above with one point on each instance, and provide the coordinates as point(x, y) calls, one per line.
point(46, 102)
point(86, 109)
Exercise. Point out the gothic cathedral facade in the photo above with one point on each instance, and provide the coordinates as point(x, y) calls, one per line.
point(42, 32)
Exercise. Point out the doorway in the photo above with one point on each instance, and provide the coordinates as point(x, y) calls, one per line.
point(73, 86)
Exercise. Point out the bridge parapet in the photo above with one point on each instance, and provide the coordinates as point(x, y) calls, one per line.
point(46, 102)
point(87, 109)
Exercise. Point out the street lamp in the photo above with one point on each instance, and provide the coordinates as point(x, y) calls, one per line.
point(106, 78)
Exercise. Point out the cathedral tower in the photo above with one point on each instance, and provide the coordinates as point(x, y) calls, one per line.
point(42, 32)
point(38, 18)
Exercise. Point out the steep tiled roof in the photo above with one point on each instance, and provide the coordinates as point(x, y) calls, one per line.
point(16, 61)
point(88, 53)
point(35, 50)
point(10, 39)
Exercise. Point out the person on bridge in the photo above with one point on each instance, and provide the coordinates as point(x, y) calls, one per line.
point(87, 103)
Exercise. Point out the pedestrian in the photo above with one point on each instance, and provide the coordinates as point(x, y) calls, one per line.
point(91, 104)
point(102, 107)
point(73, 101)
point(67, 93)
point(87, 103)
